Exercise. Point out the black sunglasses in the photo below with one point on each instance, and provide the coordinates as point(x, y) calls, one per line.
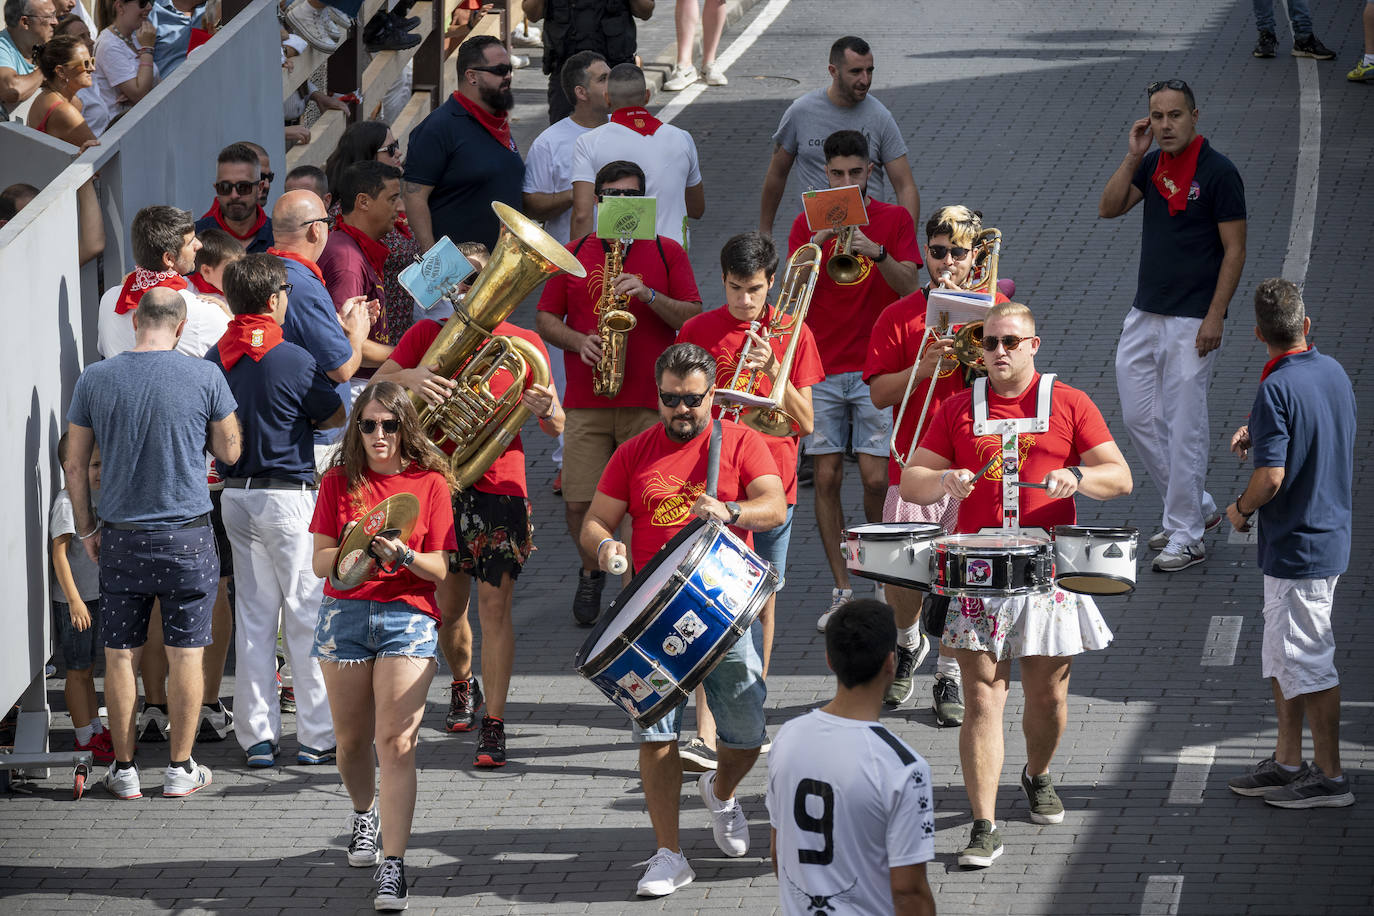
point(390, 427)
point(327, 220)
point(242, 188)
point(1010, 341)
point(391, 148)
point(620, 192)
point(672, 400)
point(268, 176)
point(496, 69)
point(1160, 85)
point(938, 252)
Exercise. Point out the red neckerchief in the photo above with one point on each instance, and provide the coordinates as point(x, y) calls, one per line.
point(637, 119)
point(142, 280)
point(497, 125)
point(1174, 175)
point(219, 218)
point(198, 38)
point(203, 285)
point(403, 226)
point(248, 335)
point(1274, 363)
point(375, 252)
point(309, 264)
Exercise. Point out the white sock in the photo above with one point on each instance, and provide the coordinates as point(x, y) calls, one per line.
point(1287, 769)
point(84, 733)
point(947, 668)
point(909, 638)
point(1369, 60)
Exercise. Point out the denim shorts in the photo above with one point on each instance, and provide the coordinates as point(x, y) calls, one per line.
point(735, 692)
point(78, 646)
point(179, 568)
point(839, 401)
point(772, 546)
point(351, 630)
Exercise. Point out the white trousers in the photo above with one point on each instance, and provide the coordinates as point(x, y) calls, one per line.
point(275, 586)
point(1163, 387)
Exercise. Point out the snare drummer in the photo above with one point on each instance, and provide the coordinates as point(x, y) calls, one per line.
point(1045, 631)
point(659, 478)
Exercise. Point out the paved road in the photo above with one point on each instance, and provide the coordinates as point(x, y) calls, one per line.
point(1020, 109)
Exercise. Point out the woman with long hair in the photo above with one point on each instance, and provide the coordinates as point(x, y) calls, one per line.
point(66, 65)
point(374, 140)
point(376, 641)
point(124, 68)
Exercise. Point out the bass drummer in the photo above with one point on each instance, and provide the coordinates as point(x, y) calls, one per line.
point(1075, 455)
point(659, 478)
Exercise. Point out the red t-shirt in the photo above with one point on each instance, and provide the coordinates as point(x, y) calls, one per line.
point(506, 476)
point(842, 316)
point(892, 348)
point(575, 301)
point(433, 530)
point(723, 335)
point(1076, 426)
point(660, 480)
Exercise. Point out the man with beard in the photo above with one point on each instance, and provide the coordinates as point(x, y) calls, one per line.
point(462, 155)
point(646, 477)
point(236, 210)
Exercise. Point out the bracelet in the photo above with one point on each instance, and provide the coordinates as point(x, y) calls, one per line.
point(1243, 513)
point(942, 476)
point(604, 542)
point(147, 51)
point(653, 294)
point(88, 534)
point(408, 557)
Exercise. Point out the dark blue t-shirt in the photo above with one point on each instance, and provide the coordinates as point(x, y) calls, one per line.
point(1180, 256)
point(468, 169)
point(1304, 422)
point(280, 399)
point(150, 412)
point(311, 321)
point(260, 242)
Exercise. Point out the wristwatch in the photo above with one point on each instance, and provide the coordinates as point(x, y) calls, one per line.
point(882, 255)
point(734, 510)
point(1075, 471)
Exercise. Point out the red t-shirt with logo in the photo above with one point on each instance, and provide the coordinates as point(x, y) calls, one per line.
point(336, 507)
point(723, 335)
point(841, 316)
point(575, 300)
point(892, 348)
point(661, 479)
point(506, 476)
point(1076, 426)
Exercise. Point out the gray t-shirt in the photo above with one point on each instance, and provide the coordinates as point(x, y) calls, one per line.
point(84, 570)
point(813, 117)
point(151, 412)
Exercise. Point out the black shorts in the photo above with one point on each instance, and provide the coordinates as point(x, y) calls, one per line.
point(495, 535)
point(226, 552)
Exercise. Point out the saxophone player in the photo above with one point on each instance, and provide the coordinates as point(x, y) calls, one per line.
point(655, 284)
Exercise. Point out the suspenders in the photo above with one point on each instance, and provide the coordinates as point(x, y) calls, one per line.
point(1010, 429)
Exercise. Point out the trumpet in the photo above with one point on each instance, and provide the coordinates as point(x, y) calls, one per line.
point(765, 415)
point(613, 326)
point(843, 267)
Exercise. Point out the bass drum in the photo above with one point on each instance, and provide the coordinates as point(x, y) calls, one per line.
point(894, 552)
point(1095, 561)
point(992, 565)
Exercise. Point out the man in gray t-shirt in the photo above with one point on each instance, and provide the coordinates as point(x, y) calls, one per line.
point(844, 105)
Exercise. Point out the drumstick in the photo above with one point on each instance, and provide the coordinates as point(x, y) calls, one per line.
point(1036, 486)
point(618, 564)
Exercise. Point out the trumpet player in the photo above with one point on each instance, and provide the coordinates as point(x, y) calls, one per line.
point(887, 263)
point(495, 539)
point(656, 286)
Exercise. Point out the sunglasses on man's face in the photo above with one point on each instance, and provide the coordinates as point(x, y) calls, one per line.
point(1010, 341)
point(502, 70)
point(242, 188)
point(268, 176)
point(620, 192)
point(368, 427)
point(672, 400)
point(938, 252)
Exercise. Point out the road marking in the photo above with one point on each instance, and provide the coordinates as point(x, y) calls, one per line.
point(1190, 778)
point(1162, 893)
point(723, 63)
point(1222, 638)
point(1304, 217)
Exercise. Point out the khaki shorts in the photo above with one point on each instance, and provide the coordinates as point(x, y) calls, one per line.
point(590, 436)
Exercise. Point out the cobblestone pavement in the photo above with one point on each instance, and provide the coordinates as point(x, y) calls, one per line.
point(1020, 109)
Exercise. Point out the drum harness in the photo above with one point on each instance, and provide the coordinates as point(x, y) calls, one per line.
point(1010, 429)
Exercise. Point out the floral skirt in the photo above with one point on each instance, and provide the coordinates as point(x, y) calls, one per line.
point(1055, 623)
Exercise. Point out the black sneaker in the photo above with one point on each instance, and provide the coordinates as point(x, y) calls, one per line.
point(363, 844)
point(1313, 789)
point(587, 599)
point(391, 886)
point(1311, 46)
point(408, 23)
point(1266, 775)
point(288, 699)
point(698, 756)
point(903, 685)
point(806, 471)
point(1045, 806)
point(391, 38)
point(948, 705)
point(984, 845)
point(465, 698)
point(1267, 46)
point(491, 744)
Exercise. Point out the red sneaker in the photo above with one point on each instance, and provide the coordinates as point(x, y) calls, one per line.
point(100, 746)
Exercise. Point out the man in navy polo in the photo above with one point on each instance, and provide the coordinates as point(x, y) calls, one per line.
point(237, 210)
point(1302, 436)
point(1191, 255)
point(462, 155)
point(268, 501)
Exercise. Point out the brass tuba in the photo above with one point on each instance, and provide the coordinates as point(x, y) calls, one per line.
point(794, 298)
point(613, 326)
point(843, 266)
point(479, 424)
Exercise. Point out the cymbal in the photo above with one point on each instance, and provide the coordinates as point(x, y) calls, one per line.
point(395, 517)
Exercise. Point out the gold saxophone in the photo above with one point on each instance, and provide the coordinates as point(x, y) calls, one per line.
point(613, 326)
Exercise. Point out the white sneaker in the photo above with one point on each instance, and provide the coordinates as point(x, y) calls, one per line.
point(728, 823)
point(712, 76)
point(1179, 556)
point(341, 21)
point(177, 783)
point(123, 784)
point(527, 36)
point(838, 596)
point(315, 27)
point(519, 61)
point(1160, 539)
point(680, 78)
point(667, 872)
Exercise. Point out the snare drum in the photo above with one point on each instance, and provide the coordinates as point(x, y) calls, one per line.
point(992, 565)
point(676, 620)
point(1095, 561)
point(893, 552)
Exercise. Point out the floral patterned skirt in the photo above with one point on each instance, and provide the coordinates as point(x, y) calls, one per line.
point(1055, 623)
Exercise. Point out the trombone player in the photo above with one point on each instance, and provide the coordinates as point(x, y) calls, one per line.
point(884, 263)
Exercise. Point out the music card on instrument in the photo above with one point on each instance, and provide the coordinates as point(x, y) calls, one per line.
point(951, 308)
point(834, 208)
point(627, 218)
point(438, 274)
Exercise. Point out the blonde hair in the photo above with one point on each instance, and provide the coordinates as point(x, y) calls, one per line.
point(1010, 310)
point(961, 224)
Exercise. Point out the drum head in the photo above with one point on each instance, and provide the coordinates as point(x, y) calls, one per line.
point(1002, 542)
point(894, 531)
point(1106, 534)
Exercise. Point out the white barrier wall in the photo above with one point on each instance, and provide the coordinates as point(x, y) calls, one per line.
point(162, 152)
